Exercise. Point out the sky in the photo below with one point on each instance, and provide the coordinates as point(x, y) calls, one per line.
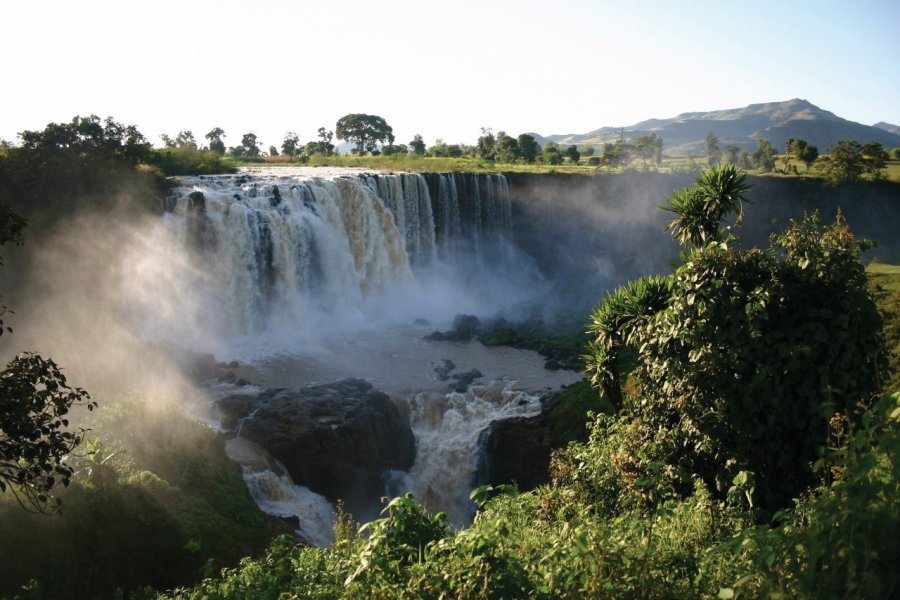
point(443, 70)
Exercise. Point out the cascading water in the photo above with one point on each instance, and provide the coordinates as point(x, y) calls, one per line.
point(312, 278)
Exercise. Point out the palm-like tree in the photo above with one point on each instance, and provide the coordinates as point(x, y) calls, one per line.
point(614, 323)
point(718, 192)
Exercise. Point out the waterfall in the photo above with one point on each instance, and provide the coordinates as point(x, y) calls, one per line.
point(312, 276)
point(277, 244)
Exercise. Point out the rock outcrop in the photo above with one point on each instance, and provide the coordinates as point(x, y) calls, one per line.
point(340, 440)
point(517, 450)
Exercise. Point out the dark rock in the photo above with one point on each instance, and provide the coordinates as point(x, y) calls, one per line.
point(198, 200)
point(552, 364)
point(242, 382)
point(228, 377)
point(422, 322)
point(517, 450)
point(443, 368)
point(236, 407)
point(464, 380)
point(234, 365)
point(276, 196)
point(465, 327)
point(338, 439)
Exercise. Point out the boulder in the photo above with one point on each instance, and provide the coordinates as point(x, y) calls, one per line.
point(462, 381)
point(517, 450)
point(443, 368)
point(339, 440)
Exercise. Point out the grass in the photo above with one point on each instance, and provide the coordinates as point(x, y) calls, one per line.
point(423, 164)
point(884, 282)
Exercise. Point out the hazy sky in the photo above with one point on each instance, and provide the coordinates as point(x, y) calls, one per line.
point(441, 69)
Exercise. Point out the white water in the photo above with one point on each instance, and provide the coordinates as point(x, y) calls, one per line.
point(310, 276)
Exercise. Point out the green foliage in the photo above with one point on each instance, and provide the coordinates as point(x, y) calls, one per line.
point(215, 140)
point(86, 157)
point(507, 149)
point(852, 161)
point(755, 353)
point(417, 145)
point(187, 160)
point(552, 155)
point(35, 438)
point(153, 500)
point(717, 193)
point(614, 322)
point(486, 146)
point(649, 147)
point(570, 420)
point(528, 147)
point(764, 156)
point(395, 542)
point(803, 152)
point(884, 284)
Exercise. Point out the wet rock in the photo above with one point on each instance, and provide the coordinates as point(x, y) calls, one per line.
point(233, 365)
point(443, 368)
point(198, 200)
point(462, 381)
point(338, 439)
point(422, 322)
point(234, 408)
point(517, 450)
point(552, 364)
point(228, 377)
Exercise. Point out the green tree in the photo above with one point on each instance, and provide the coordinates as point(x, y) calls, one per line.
point(843, 163)
point(487, 144)
point(215, 140)
point(764, 155)
point(290, 144)
point(528, 147)
point(551, 154)
point(713, 154)
point(802, 151)
point(701, 209)
point(573, 154)
point(185, 139)
point(874, 158)
point(366, 131)
point(417, 145)
point(507, 148)
point(249, 145)
point(649, 147)
point(324, 146)
point(743, 362)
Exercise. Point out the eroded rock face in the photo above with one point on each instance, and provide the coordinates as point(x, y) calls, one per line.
point(339, 439)
point(517, 450)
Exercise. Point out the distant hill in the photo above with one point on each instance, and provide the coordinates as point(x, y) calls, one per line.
point(888, 127)
point(773, 121)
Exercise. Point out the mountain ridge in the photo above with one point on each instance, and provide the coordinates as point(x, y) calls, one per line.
point(683, 135)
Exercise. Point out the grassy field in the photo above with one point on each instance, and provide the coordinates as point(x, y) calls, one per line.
point(420, 164)
point(884, 281)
